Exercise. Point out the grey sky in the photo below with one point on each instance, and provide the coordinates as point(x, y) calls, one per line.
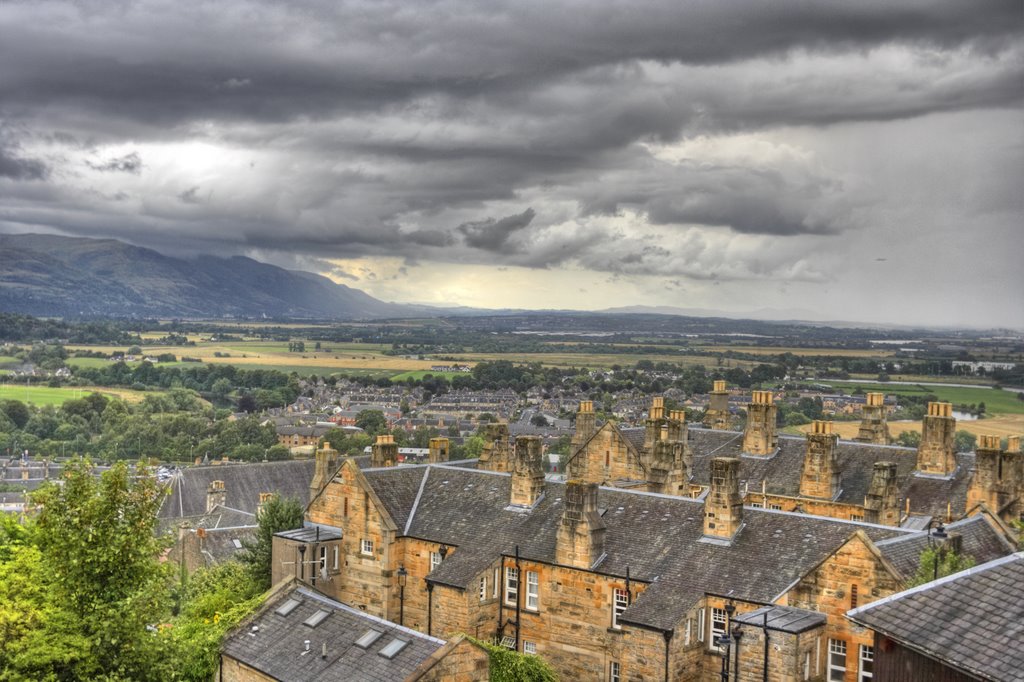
point(858, 160)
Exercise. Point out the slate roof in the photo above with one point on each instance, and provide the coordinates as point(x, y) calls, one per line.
point(979, 539)
point(276, 647)
point(220, 544)
point(856, 461)
point(243, 484)
point(782, 619)
point(655, 536)
point(972, 621)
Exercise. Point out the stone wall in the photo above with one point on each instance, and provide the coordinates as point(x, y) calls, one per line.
point(232, 670)
point(458, 661)
point(607, 457)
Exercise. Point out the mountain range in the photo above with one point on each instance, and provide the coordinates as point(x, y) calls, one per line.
point(54, 276)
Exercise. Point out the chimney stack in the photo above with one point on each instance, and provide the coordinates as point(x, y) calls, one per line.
point(527, 471)
point(676, 426)
point(215, 495)
point(495, 453)
point(723, 507)
point(327, 462)
point(586, 424)
point(935, 454)
point(760, 438)
point(384, 452)
point(717, 415)
point(995, 475)
point(580, 539)
point(820, 476)
point(874, 428)
point(264, 498)
point(438, 450)
point(655, 423)
point(882, 504)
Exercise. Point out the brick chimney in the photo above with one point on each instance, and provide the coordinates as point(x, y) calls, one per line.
point(759, 438)
point(586, 424)
point(820, 476)
point(580, 538)
point(995, 474)
point(384, 452)
point(215, 495)
point(873, 425)
point(723, 507)
point(439, 448)
point(527, 471)
point(495, 453)
point(882, 504)
point(327, 463)
point(935, 454)
point(717, 414)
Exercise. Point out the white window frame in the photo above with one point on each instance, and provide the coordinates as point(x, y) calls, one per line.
point(529, 648)
point(336, 558)
point(366, 547)
point(435, 560)
point(807, 665)
point(835, 648)
point(865, 654)
point(689, 628)
point(511, 585)
point(323, 562)
point(701, 615)
point(718, 616)
point(620, 602)
point(532, 591)
point(496, 585)
point(483, 588)
point(614, 672)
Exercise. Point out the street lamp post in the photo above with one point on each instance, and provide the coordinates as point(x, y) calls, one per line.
point(402, 577)
point(936, 540)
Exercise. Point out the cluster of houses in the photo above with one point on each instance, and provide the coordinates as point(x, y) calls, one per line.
point(673, 551)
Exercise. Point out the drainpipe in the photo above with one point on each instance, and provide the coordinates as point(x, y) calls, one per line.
point(430, 607)
point(668, 639)
point(765, 628)
point(519, 590)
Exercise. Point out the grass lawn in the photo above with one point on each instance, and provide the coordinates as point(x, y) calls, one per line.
point(44, 395)
point(419, 374)
point(9, 360)
point(996, 401)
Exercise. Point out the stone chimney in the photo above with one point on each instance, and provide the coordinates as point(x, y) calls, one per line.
point(384, 452)
point(527, 471)
point(495, 453)
point(995, 475)
point(264, 498)
point(439, 448)
point(586, 424)
point(873, 425)
point(882, 503)
point(655, 423)
point(215, 495)
point(717, 414)
point(580, 539)
point(935, 454)
point(760, 438)
point(820, 476)
point(723, 506)
point(676, 426)
point(327, 463)
point(670, 463)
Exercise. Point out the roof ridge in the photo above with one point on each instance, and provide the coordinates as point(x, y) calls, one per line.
point(974, 570)
point(416, 502)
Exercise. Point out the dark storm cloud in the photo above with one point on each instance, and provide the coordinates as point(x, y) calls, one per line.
point(398, 128)
point(129, 163)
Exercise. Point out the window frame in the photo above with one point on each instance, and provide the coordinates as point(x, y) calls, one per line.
point(511, 590)
point(366, 547)
point(862, 675)
point(531, 645)
point(834, 646)
point(496, 583)
point(620, 602)
point(483, 587)
point(335, 558)
point(532, 591)
point(614, 671)
point(701, 617)
point(435, 560)
point(717, 632)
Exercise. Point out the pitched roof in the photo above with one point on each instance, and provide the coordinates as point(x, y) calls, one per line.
point(275, 644)
point(243, 484)
point(782, 471)
point(979, 540)
point(655, 536)
point(960, 620)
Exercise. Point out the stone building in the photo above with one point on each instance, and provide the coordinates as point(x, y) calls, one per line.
point(608, 583)
point(816, 474)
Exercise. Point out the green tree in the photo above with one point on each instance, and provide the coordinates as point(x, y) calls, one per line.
point(277, 514)
point(965, 441)
point(372, 421)
point(948, 562)
point(512, 666)
point(909, 439)
point(94, 553)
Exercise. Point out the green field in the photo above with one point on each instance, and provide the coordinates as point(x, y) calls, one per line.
point(419, 374)
point(996, 401)
point(41, 395)
point(8, 360)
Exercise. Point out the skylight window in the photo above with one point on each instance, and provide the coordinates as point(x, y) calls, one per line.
point(316, 618)
point(237, 543)
point(393, 648)
point(287, 607)
point(368, 638)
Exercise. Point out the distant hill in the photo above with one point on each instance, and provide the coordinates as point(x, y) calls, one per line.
point(46, 275)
